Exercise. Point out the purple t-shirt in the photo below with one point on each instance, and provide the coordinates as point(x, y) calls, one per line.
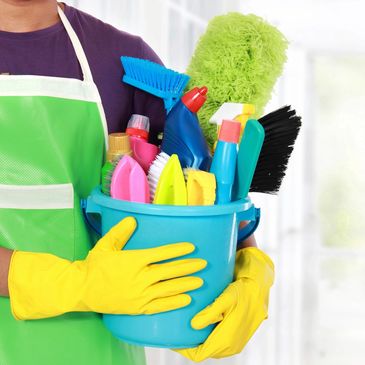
point(49, 52)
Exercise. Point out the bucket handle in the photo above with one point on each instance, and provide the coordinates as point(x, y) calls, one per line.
point(250, 228)
point(89, 208)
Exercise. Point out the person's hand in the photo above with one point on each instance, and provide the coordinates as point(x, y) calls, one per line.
point(240, 309)
point(109, 280)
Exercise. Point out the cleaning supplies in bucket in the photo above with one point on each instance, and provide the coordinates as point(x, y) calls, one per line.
point(129, 182)
point(183, 135)
point(155, 79)
point(224, 160)
point(155, 171)
point(281, 131)
point(138, 127)
point(119, 146)
point(171, 188)
point(233, 111)
point(201, 187)
point(239, 58)
point(213, 229)
point(248, 154)
point(247, 112)
point(226, 111)
point(280, 128)
point(251, 85)
point(143, 152)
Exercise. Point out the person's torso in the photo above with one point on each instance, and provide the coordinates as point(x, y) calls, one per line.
point(49, 52)
point(51, 153)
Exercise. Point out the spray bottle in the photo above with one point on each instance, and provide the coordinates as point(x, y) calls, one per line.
point(183, 135)
point(225, 159)
point(138, 130)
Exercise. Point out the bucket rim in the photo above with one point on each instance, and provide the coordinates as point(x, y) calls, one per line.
point(169, 210)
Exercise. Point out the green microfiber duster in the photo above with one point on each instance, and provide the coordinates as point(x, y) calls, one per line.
point(239, 59)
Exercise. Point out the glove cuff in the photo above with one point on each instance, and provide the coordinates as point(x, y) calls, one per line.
point(42, 285)
point(253, 263)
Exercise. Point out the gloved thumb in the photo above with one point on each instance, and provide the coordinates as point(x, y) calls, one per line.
point(214, 313)
point(118, 236)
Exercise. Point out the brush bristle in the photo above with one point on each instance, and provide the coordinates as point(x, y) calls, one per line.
point(155, 75)
point(155, 172)
point(281, 130)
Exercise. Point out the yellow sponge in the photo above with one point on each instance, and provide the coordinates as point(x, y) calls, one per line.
point(201, 187)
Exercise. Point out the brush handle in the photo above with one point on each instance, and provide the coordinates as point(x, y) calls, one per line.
point(170, 99)
point(248, 155)
point(223, 167)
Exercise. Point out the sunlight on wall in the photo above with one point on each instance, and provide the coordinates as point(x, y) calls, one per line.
point(340, 161)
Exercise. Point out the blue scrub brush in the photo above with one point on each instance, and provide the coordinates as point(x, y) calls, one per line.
point(154, 79)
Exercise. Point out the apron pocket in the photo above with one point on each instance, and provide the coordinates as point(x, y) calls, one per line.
point(38, 218)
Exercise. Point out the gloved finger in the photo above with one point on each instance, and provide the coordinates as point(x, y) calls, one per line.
point(172, 287)
point(167, 304)
point(213, 313)
point(118, 236)
point(176, 268)
point(169, 251)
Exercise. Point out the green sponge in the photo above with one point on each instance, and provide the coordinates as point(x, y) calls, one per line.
point(239, 59)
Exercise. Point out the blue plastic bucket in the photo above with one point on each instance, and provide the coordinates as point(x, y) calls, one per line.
point(212, 229)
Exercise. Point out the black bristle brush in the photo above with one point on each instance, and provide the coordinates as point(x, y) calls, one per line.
point(281, 130)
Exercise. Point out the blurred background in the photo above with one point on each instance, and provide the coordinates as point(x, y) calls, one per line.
point(314, 229)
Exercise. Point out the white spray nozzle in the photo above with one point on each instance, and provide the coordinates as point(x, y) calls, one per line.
point(226, 111)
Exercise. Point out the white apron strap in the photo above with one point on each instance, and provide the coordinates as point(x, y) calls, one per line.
point(85, 68)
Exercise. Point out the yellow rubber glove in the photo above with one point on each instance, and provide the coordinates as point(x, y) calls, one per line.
point(109, 280)
point(240, 309)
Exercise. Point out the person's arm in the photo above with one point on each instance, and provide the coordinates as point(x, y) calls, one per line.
point(109, 280)
point(5, 257)
point(248, 242)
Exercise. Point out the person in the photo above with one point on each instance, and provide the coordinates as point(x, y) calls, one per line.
point(60, 95)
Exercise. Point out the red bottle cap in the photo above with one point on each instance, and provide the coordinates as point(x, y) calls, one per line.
point(138, 126)
point(195, 98)
point(138, 133)
point(230, 131)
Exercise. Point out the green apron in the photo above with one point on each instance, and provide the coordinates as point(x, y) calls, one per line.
point(52, 141)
